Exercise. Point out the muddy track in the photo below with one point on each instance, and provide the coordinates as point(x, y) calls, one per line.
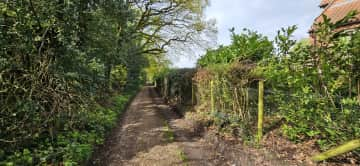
point(151, 134)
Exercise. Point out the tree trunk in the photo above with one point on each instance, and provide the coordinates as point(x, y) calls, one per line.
point(350, 87)
point(108, 68)
point(82, 22)
point(358, 89)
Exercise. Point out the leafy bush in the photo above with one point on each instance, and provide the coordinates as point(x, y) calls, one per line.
point(248, 45)
point(314, 86)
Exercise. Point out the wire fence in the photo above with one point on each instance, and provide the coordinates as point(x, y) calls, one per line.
point(239, 107)
point(236, 98)
point(226, 93)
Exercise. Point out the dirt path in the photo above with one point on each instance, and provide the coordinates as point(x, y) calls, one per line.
point(146, 135)
point(151, 134)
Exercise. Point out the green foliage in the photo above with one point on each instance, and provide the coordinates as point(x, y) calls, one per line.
point(176, 85)
point(230, 69)
point(168, 133)
point(158, 67)
point(182, 156)
point(248, 45)
point(119, 76)
point(231, 111)
point(47, 72)
point(72, 146)
point(233, 95)
point(314, 86)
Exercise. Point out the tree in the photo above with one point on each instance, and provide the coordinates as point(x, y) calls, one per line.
point(161, 23)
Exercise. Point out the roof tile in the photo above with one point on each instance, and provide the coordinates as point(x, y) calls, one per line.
point(338, 9)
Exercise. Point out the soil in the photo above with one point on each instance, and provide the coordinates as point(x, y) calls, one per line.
point(151, 133)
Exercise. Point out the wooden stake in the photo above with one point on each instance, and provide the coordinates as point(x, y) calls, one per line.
point(260, 111)
point(212, 96)
point(352, 145)
point(192, 93)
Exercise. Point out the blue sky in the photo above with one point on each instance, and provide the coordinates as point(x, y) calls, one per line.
point(264, 16)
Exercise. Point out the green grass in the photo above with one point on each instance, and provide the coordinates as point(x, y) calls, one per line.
point(182, 156)
point(169, 134)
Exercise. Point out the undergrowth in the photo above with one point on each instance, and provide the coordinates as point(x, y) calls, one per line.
point(72, 146)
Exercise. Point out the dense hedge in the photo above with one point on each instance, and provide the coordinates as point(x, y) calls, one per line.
point(176, 86)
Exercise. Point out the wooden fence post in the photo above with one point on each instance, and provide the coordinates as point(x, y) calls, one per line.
point(260, 111)
point(166, 87)
point(352, 145)
point(212, 96)
point(192, 93)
